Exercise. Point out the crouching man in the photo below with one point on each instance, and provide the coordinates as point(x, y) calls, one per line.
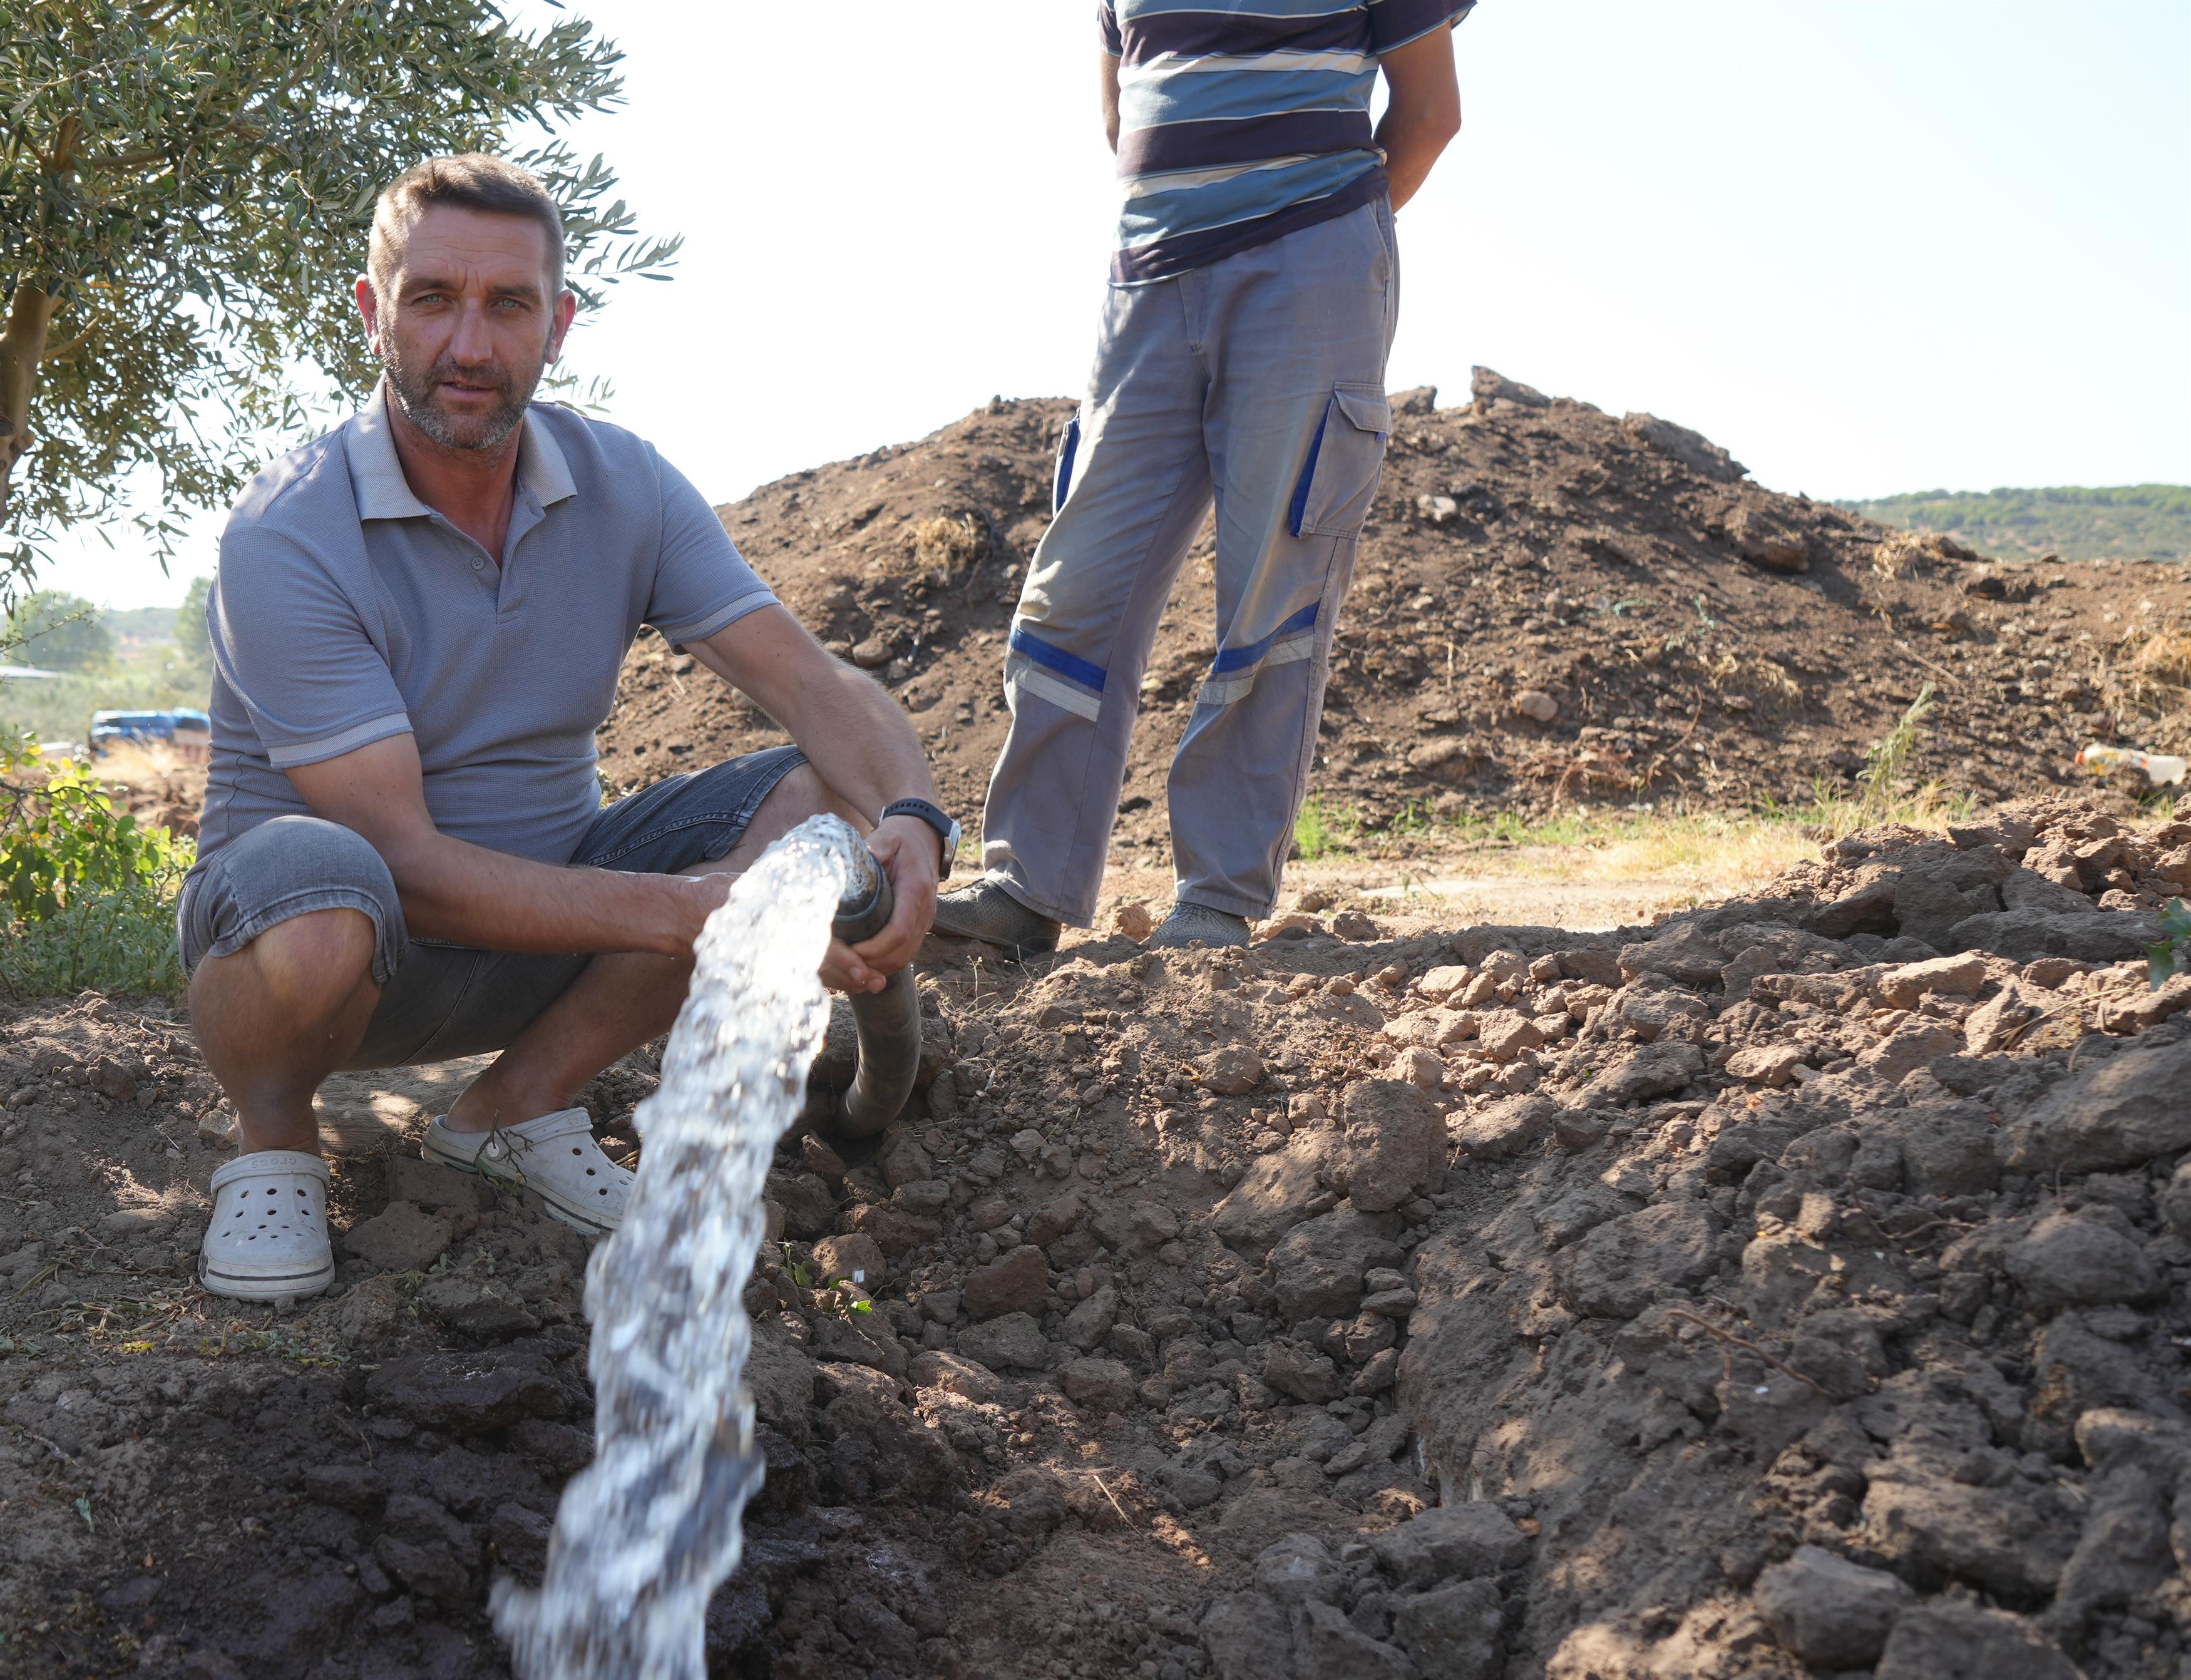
point(418, 624)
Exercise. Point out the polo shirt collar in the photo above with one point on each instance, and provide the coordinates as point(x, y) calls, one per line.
point(376, 472)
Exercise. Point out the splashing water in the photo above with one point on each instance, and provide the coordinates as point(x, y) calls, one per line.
point(646, 1531)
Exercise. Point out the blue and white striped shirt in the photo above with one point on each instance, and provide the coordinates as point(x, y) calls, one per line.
point(1240, 120)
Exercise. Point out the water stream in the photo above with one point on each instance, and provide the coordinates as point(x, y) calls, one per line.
point(646, 1531)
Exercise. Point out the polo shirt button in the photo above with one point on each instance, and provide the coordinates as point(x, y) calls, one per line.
point(478, 565)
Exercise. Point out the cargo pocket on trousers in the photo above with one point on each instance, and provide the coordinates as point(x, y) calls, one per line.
point(1067, 446)
point(1345, 462)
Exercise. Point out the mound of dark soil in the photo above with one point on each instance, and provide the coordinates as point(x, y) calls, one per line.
point(1553, 604)
point(1794, 1287)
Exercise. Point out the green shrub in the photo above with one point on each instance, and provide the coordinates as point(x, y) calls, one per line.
point(87, 897)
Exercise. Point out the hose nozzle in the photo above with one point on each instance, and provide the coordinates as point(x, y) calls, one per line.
point(888, 1022)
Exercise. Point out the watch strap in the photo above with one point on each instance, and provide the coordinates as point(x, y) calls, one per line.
point(947, 830)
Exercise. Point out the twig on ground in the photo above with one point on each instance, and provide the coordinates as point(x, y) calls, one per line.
point(1734, 1341)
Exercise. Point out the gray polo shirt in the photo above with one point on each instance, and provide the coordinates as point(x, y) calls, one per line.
point(345, 611)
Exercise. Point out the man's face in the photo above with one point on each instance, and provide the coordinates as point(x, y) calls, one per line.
point(465, 325)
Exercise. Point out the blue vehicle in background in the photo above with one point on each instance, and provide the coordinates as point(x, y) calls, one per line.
point(189, 732)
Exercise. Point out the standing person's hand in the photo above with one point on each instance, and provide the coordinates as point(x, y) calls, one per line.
point(911, 854)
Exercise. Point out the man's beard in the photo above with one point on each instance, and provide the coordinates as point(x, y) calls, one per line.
point(470, 432)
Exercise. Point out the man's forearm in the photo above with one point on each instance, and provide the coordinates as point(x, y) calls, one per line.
point(451, 890)
point(1413, 142)
point(1425, 112)
point(858, 740)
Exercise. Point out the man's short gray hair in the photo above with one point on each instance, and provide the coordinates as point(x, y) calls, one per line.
point(471, 180)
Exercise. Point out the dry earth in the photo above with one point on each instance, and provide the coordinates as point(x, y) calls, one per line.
point(1552, 604)
point(1795, 1286)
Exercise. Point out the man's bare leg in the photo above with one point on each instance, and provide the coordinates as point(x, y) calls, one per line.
point(622, 1000)
point(276, 1018)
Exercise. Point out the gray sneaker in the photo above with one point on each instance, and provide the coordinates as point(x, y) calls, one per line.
point(986, 912)
point(1188, 923)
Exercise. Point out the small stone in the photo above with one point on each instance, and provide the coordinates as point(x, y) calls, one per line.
point(810, 1207)
point(964, 1377)
point(1301, 1372)
point(1247, 1636)
point(1575, 1129)
point(1828, 1611)
point(1012, 1341)
point(1943, 1641)
point(1100, 1384)
point(2068, 1261)
point(1511, 1126)
point(1956, 976)
point(1233, 1071)
point(1910, 1047)
point(1088, 1325)
point(1419, 1067)
point(875, 651)
point(1133, 921)
point(1395, 1143)
point(1382, 1371)
point(825, 1163)
point(1452, 1632)
point(1354, 926)
point(400, 1238)
point(1467, 1541)
point(1534, 703)
point(856, 1257)
point(1505, 1034)
point(1772, 1065)
point(1298, 1569)
point(1015, 1281)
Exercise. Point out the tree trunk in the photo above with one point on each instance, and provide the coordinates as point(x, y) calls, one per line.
point(22, 346)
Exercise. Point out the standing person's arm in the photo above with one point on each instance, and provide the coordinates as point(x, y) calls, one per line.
point(1423, 114)
point(1111, 99)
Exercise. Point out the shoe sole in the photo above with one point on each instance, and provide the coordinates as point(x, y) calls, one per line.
point(260, 1286)
point(549, 1203)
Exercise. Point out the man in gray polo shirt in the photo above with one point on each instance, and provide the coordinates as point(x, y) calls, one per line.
point(416, 627)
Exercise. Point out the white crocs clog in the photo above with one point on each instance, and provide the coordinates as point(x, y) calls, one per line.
point(268, 1235)
point(555, 1158)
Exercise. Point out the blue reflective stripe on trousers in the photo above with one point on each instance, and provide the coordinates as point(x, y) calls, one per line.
point(1239, 658)
point(1057, 659)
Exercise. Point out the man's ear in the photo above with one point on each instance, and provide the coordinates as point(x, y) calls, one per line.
point(566, 310)
point(368, 307)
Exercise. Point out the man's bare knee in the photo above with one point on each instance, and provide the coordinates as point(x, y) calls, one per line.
point(309, 963)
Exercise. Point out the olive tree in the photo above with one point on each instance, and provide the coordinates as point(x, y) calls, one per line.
point(186, 189)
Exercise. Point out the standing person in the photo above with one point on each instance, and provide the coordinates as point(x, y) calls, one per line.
point(1240, 357)
point(417, 625)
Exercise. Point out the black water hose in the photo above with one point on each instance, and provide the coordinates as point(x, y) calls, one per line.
point(888, 1022)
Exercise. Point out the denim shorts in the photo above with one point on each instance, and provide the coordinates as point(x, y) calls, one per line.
point(439, 1000)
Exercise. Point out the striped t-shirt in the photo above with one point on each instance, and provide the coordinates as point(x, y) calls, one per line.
point(1240, 120)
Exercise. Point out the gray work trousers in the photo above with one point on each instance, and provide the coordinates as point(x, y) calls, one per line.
point(1260, 381)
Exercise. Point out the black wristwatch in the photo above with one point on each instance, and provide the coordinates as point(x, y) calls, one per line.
point(946, 830)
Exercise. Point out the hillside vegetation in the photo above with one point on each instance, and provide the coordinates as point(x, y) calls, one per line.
point(2130, 522)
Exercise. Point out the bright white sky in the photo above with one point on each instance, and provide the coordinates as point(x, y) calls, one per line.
point(1870, 246)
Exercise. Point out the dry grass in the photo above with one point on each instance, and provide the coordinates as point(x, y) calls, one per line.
point(2164, 662)
point(945, 544)
point(1761, 678)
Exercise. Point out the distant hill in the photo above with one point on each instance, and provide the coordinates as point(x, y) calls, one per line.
point(2130, 522)
point(140, 627)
